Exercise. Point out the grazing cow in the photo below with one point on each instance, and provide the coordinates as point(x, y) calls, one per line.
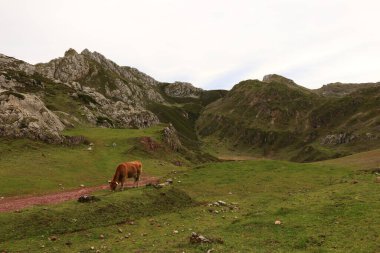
point(124, 171)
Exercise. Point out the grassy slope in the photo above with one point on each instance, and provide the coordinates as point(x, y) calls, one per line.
point(30, 167)
point(321, 211)
point(284, 122)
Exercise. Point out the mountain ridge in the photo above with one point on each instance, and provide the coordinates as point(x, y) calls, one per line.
point(266, 117)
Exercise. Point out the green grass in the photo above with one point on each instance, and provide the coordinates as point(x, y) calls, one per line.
point(31, 167)
point(320, 208)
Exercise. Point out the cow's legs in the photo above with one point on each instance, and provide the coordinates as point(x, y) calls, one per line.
point(137, 179)
point(122, 185)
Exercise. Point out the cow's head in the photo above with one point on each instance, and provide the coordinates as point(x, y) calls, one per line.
point(113, 185)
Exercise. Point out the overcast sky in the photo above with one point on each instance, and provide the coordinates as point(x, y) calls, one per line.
point(210, 43)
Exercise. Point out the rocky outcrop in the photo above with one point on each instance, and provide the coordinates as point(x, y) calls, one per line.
point(343, 89)
point(93, 70)
point(71, 67)
point(170, 138)
point(345, 138)
point(278, 79)
point(180, 89)
point(25, 115)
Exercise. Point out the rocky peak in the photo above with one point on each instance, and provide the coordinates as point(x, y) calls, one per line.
point(182, 89)
point(278, 79)
point(70, 52)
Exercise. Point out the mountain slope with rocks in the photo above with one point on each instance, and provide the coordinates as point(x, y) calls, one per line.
point(276, 117)
point(85, 89)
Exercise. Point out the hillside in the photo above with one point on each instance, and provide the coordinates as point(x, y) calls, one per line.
point(278, 118)
point(273, 118)
point(87, 89)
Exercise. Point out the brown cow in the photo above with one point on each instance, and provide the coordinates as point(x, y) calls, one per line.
point(124, 171)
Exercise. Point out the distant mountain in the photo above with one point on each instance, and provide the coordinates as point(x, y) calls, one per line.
point(342, 89)
point(276, 117)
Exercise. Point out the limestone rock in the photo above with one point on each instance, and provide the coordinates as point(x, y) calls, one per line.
point(181, 89)
point(25, 115)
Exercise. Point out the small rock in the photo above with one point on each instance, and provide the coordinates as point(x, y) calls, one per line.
point(87, 198)
point(53, 238)
point(277, 222)
point(210, 250)
point(1, 198)
point(169, 180)
point(175, 232)
point(89, 148)
point(91, 144)
point(222, 203)
point(120, 230)
point(179, 181)
point(101, 236)
point(144, 234)
point(131, 223)
point(82, 185)
point(92, 247)
point(230, 193)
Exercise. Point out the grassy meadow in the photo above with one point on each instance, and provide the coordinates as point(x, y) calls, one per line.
point(32, 167)
point(330, 206)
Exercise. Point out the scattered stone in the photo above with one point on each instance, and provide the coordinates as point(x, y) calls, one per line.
point(198, 238)
point(91, 144)
point(101, 236)
point(82, 185)
point(179, 181)
point(120, 230)
point(169, 180)
point(1, 198)
point(87, 198)
point(230, 193)
point(92, 247)
point(89, 148)
point(175, 232)
point(277, 222)
point(210, 250)
point(222, 203)
point(53, 238)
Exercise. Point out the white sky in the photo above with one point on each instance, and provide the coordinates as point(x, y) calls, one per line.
point(210, 43)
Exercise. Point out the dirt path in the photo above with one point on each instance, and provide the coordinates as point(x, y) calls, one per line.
point(17, 203)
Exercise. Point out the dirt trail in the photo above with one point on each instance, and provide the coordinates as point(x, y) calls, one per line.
point(17, 203)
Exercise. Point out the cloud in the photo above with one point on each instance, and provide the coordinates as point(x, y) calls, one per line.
point(213, 44)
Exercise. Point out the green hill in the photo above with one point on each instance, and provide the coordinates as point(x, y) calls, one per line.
point(278, 118)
